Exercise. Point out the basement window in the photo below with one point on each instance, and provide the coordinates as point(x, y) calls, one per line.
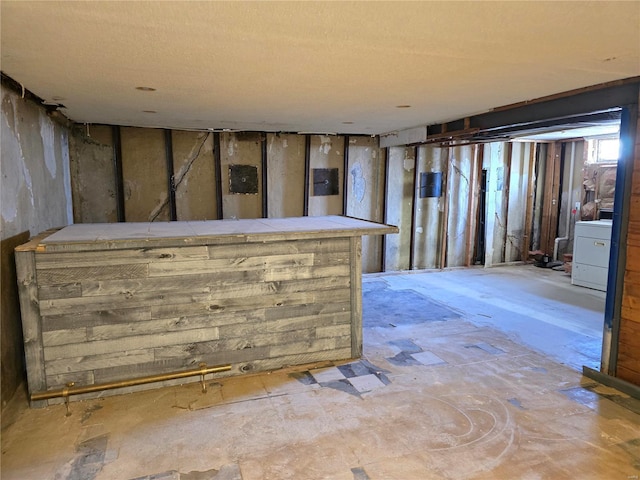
point(603, 150)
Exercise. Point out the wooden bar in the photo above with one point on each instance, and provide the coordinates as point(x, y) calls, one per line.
point(108, 302)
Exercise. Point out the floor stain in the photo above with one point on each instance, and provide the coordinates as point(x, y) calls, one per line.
point(485, 347)
point(360, 474)
point(591, 394)
point(226, 472)
point(388, 308)
point(516, 403)
point(89, 411)
point(90, 459)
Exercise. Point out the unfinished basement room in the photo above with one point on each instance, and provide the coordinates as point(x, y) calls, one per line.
point(320, 240)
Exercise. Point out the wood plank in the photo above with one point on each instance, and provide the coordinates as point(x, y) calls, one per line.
point(47, 260)
point(633, 239)
point(631, 301)
point(321, 246)
point(139, 235)
point(31, 323)
point(328, 259)
point(223, 305)
point(248, 330)
point(64, 337)
point(629, 313)
point(332, 331)
point(97, 288)
point(216, 349)
point(199, 283)
point(130, 343)
point(317, 321)
point(99, 317)
point(628, 375)
point(144, 299)
point(104, 360)
point(303, 310)
point(634, 208)
point(630, 333)
point(57, 276)
point(633, 258)
point(632, 277)
point(530, 195)
point(627, 358)
point(179, 363)
point(288, 360)
point(302, 273)
point(108, 332)
point(308, 346)
point(551, 198)
point(240, 368)
point(356, 297)
point(63, 379)
point(230, 264)
point(49, 292)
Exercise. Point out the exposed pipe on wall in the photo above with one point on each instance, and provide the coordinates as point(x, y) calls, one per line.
point(569, 202)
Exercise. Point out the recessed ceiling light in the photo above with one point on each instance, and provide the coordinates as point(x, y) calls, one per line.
point(403, 106)
point(146, 89)
point(149, 111)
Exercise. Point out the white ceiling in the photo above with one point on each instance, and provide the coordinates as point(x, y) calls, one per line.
point(336, 67)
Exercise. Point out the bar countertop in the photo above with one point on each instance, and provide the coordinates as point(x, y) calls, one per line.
point(114, 236)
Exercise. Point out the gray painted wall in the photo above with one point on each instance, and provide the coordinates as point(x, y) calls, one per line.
point(36, 196)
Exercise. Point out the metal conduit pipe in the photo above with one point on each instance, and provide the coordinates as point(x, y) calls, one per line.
point(569, 200)
point(71, 389)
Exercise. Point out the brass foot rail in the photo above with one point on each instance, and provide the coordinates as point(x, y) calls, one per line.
point(71, 389)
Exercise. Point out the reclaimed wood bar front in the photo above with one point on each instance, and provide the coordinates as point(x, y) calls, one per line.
point(106, 302)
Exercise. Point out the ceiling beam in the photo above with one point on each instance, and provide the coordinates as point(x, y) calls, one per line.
point(564, 108)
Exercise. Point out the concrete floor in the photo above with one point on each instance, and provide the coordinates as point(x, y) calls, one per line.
point(448, 388)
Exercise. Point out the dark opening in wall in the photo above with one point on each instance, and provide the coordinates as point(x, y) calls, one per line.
point(430, 184)
point(325, 181)
point(243, 179)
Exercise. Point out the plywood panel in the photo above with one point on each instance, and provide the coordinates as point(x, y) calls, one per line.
point(91, 161)
point(460, 176)
point(241, 149)
point(285, 175)
point(194, 175)
point(399, 206)
point(144, 170)
point(327, 152)
point(365, 194)
point(429, 212)
point(495, 157)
